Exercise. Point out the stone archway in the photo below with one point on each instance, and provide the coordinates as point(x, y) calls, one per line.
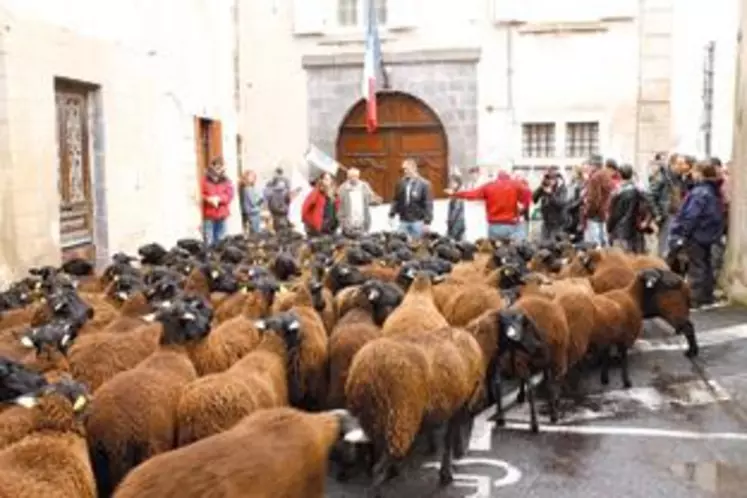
point(407, 128)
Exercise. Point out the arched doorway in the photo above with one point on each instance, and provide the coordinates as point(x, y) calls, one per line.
point(407, 128)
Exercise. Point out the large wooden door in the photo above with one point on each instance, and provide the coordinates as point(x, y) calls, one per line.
point(407, 129)
point(74, 179)
point(208, 146)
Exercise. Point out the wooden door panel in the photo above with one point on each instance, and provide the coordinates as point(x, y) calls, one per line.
point(74, 173)
point(407, 128)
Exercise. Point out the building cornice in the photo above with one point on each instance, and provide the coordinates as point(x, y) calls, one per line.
point(470, 55)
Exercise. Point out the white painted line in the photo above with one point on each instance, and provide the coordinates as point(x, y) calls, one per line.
point(707, 338)
point(482, 428)
point(631, 431)
point(613, 403)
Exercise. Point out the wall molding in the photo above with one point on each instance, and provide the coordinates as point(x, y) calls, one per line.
point(317, 61)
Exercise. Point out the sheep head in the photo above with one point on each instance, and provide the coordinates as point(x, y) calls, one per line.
point(124, 287)
point(677, 258)
point(185, 320)
point(510, 276)
point(66, 304)
point(17, 380)
point(664, 294)
point(518, 332)
point(379, 298)
point(285, 325)
point(342, 275)
point(56, 335)
point(58, 407)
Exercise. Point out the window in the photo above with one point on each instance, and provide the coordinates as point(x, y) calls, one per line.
point(538, 139)
point(353, 12)
point(582, 139)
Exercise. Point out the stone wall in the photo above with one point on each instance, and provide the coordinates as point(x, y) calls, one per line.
point(445, 81)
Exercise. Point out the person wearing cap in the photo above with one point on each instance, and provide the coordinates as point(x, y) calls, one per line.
point(599, 189)
point(698, 225)
point(551, 195)
point(217, 194)
point(627, 217)
point(319, 210)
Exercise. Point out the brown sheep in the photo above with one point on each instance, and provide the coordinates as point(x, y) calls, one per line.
point(418, 311)
point(360, 325)
point(579, 309)
point(396, 384)
point(225, 345)
point(470, 302)
point(216, 402)
point(52, 459)
point(281, 452)
point(132, 416)
point(534, 336)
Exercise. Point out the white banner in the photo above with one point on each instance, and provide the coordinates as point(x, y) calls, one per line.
point(321, 161)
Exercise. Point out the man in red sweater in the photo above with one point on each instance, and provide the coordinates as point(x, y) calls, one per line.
point(502, 198)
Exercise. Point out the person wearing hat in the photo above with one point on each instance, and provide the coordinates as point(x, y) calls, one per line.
point(551, 196)
point(698, 225)
point(320, 208)
point(217, 194)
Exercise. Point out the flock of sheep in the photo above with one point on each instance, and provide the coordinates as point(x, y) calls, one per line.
point(244, 369)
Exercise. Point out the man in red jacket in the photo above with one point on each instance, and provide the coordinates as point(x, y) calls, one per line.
point(502, 198)
point(217, 194)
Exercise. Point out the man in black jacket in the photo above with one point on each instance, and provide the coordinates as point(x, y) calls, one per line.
point(413, 201)
point(626, 205)
point(552, 196)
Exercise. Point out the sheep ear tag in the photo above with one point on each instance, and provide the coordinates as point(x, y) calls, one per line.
point(373, 294)
point(26, 401)
point(65, 340)
point(80, 403)
point(513, 333)
point(650, 283)
point(260, 325)
point(26, 341)
point(214, 274)
point(122, 295)
point(356, 436)
point(294, 325)
point(282, 290)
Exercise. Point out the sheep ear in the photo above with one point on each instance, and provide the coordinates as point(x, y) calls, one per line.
point(122, 295)
point(58, 307)
point(344, 271)
point(294, 325)
point(26, 401)
point(260, 325)
point(116, 278)
point(150, 318)
point(356, 436)
point(65, 340)
point(190, 317)
point(373, 294)
point(27, 342)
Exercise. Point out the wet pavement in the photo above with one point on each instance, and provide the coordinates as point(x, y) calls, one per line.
point(680, 431)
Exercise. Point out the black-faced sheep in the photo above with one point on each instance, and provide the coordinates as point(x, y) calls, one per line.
point(132, 417)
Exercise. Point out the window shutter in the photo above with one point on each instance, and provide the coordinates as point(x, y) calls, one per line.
point(309, 16)
point(402, 14)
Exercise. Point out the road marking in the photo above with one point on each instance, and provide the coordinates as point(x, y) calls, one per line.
point(610, 404)
point(482, 483)
point(481, 438)
point(705, 339)
point(632, 431)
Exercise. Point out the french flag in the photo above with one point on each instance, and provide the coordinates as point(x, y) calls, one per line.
point(372, 66)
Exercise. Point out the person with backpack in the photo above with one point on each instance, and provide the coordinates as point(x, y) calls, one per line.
point(278, 197)
point(698, 225)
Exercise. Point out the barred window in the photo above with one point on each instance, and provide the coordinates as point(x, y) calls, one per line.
point(538, 139)
point(582, 139)
point(353, 12)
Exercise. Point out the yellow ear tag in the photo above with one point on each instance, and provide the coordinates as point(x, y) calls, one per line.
point(80, 403)
point(283, 290)
point(244, 290)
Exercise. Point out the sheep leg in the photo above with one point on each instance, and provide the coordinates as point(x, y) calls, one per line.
point(604, 357)
point(552, 395)
point(496, 386)
point(522, 393)
point(381, 474)
point(532, 409)
point(624, 365)
point(446, 474)
point(688, 330)
point(464, 435)
point(430, 437)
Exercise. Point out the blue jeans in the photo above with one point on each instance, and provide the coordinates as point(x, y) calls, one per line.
point(596, 231)
point(213, 231)
point(503, 231)
point(254, 222)
point(522, 230)
point(411, 228)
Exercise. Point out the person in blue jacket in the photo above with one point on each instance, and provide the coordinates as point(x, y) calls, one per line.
point(699, 225)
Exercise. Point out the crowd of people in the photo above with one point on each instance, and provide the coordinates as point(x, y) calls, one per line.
point(684, 207)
